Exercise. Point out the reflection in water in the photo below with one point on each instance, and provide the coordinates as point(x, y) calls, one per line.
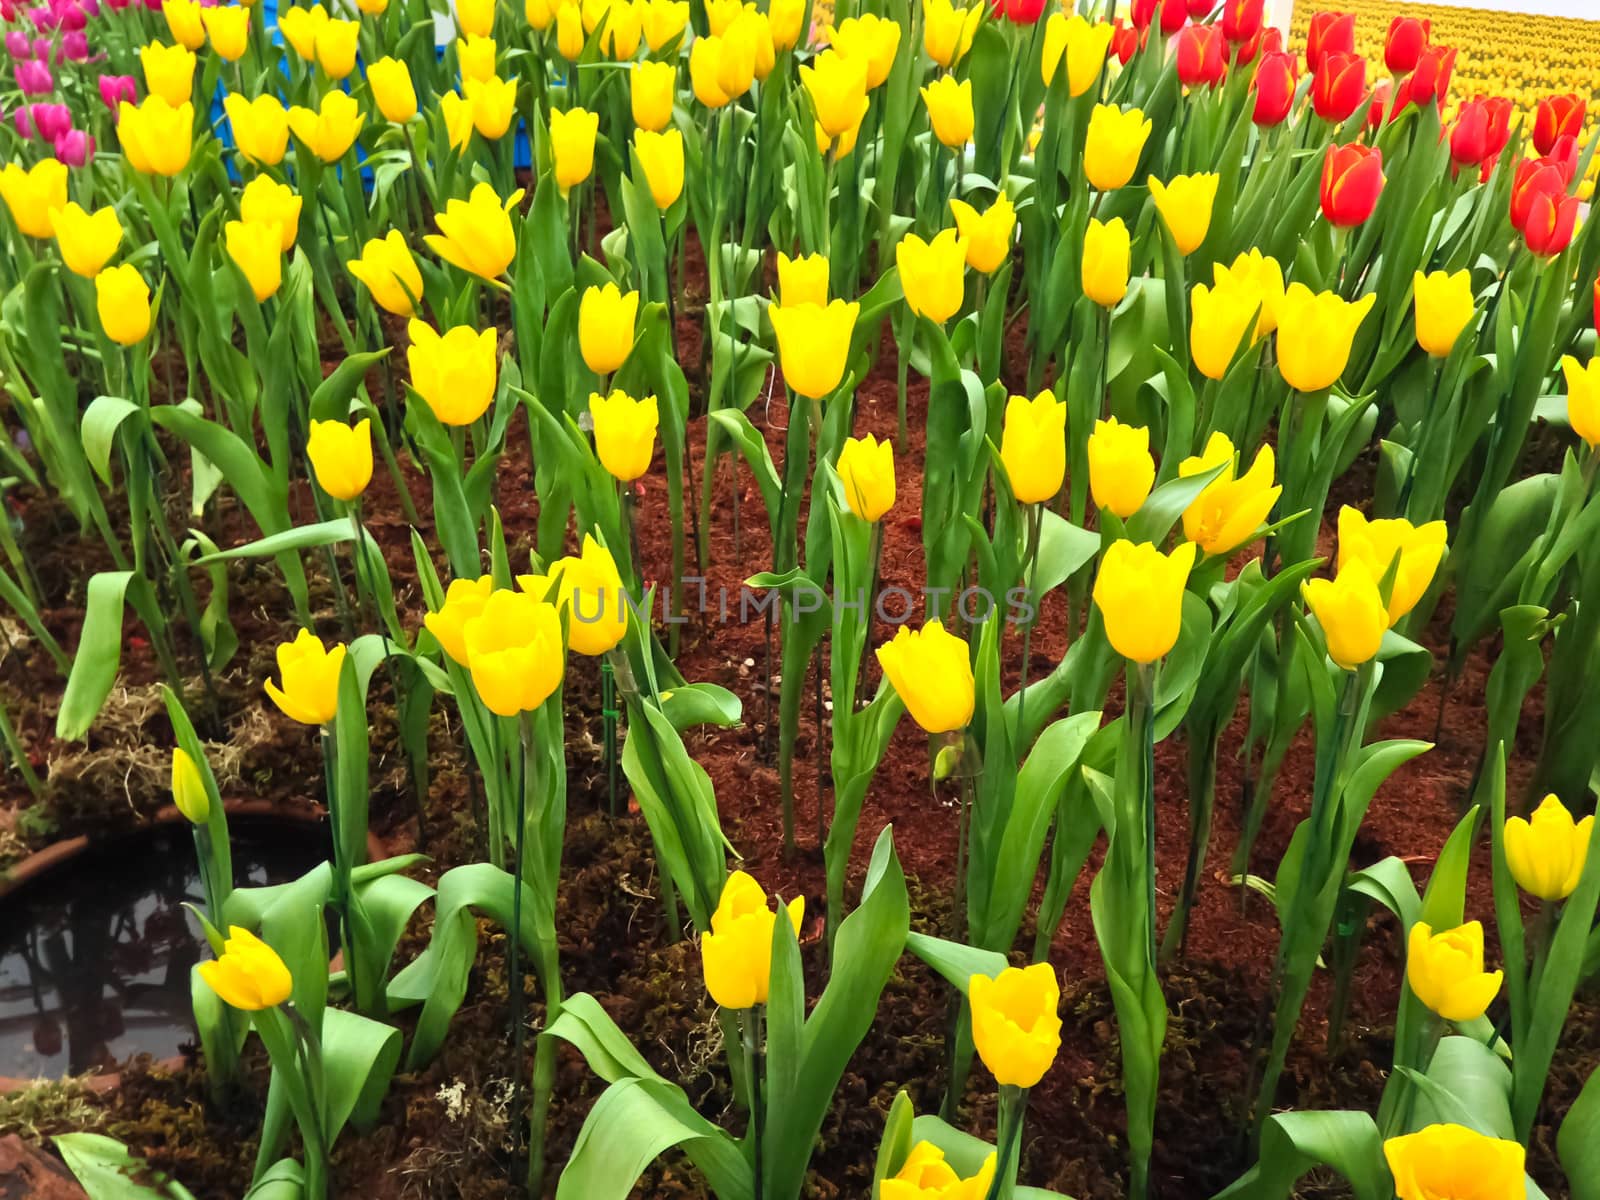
point(95, 956)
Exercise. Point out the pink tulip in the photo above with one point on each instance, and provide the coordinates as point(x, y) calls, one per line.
point(41, 18)
point(19, 118)
point(75, 46)
point(34, 78)
point(69, 16)
point(17, 44)
point(114, 89)
point(74, 147)
point(50, 121)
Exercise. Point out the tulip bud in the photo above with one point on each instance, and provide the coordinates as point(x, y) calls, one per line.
point(837, 87)
point(1408, 37)
point(1315, 332)
point(1558, 117)
point(168, 71)
point(1583, 392)
point(476, 234)
point(249, 975)
point(1107, 254)
point(572, 135)
point(1445, 971)
point(1016, 1028)
point(1139, 592)
point(310, 673)
point(86, 240)
point(341, 457)
point(184, 22)
point(189, 790)
point(1222, 316)
point(1121, 469)
point(463, 600)
point(228, 27)
point(1242, 19)
point(392, 90)
point(329, 130)
point(950, 110)
point(931, 274)
point(606, 318)
point(114, 89)
point(1433, 1161)
point(1082, 46)
point(590, 587)
point(514, 652)
point(1201, 56)
point(256, 249)
point(802, 280)
point(260, 127)
point(1352, 181)
point(1546, 855)
point(1339, 86)
point(814, 344)
point(624, 433)
point(931, 672)
point(390, 273)
point(1113, 145)
point(1229, 512)
point(122, 300)
point(1349, 608)
point(1444, 307)
point(264, 202)
point(736, 953)
point(866, 470)
point(1274, 85)
point(652, 92)
point(1033, 446)
point(1329, 33)
point(661, 159)
point(1185, 206)
point(663, 21)
point(986, 235)
point(925, 1175)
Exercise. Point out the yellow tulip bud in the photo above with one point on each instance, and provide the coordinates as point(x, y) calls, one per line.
point(341, 457)
point(1583, 396)
point(336, 47)
point(661, 160)
point(720, 14)
point(620, 37)
point(737, 953)
point(606, 317)
point(475, 17)
point(1107, 254)
point(1185, 207)
point(514, 652)
point(931, 672)
point(1033, 446)
point(457, 112)
point(1263, 277)
point(590, 590)
point(33, 193)
point(156, 138)
point(228, 27)
point(1441, 1160)
point(1351, 613)
point(1444, 307)
point(1547, 854)
point(454, 374)
point(947, 31)
point(624, 432)
point(802, 280)
point(1445, 970)
point(249, 976)
point(814, 344)
point(663, 21)
point(373, 8)
point(264, 201)
point(475, 234)
point(1418, 550)
point(310, 672)
point(255, 250)
point(931, 274)
point(950, 110)
point(122, 300)
point(1112, 147)
point(866, 469)
point(188, 788)
point(392, 90)
point(540, 14)
point(390, 273)
point(1016, 1028)
point(463, 600)
point(494, 106)
point(572, 135)
point(653, 90)
point(925, 1175)
point(476, 56)
point(1228, 512)
point(987, 235)
point(838, 89)
point(786, 18)
point(260, 127)
point(1082, 45)
point(1315, 331)
point(1139, 592)
point(1121, 469)
point(872, 39)
point(331, 129)
point(87, 240)
point(186, 22)
point(300, 27)
point(1221, 318)
point(569, 31)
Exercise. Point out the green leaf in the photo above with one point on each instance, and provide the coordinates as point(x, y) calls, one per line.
point(101, 420)
point(108, 1171)
point(957, 962)
point(99, 654)
point(1294, 1143)
point(301, 537)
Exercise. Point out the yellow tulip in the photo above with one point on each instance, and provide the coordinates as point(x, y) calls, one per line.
point(457, 112)
point(931, 274)
point(1112, 147)
point(1263, 276)
point(455, 374)
point(1139, 592)
point(1221, 317)
point(606, 317)
point(1315, 331)
point(494, 105)
point(814, 344)
point(392, 90)
point(168, 71)
point(786, 18)
point(1228, 512)
point(662, 21)
point(86, 240)
point(390, 273)
point(1033, 446)
point(572, 135)
point(931, 672)
point(373, 8)
point(475, 17)
point(845, 142)
point(947, 31)
point(925, 1175)
point(870, 38)
point(336, 47)
point(711, 60)
point(300, 27)
point(1444, 308)
point(661, 160)
point(310, 672)
point(514, 652)
point(737, 952)
point(802, 280)
point(228, 27)
point(188, 788)
point(1351, 613)
point(624, 433)
point(254, 249)
point(569, 31)
point(186, 22)
point(653, 89)
point(1107, 253)
point(720, 14)
point(1443, 1162)
point(539, 13)
point(476, 57)
point(987, 235)
point(1185, 206)
point(463, 600)
point(1583, 396)
point(267, 202)
point(33, 193)
point(1445, 970)
point(1083, 46)
point(950, 110)
point(620, 37)
point(1377, 544)
point(475, 234)
point(866, 469)
point(1015, 1024)
point(249, 976)
point(341, 457)
point(122, 300)
point(590, 589)
point(1121, 469)
point(156, 137)
point(1547, 854)
point(260, 127)
point(329, 130)
point(838, 89)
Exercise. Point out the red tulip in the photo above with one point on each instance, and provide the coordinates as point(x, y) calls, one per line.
point(1201, 58)
point(1173, 15)
point(1144, 11)
point(1408, 38)
point(1329, 33)
point(1535, 177)
point(1556, 117)
point(1499, 123)
point(1125, 40)
point(1339, 86)
point(1381, 91)
point(1199, 10)
point(1550, 222)
point(1352, 180)
point(1242, 19)
point(1244, 53)
point(1019, 12)
point(1430, 81)
point(1274, 85)
point(1469, 136)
